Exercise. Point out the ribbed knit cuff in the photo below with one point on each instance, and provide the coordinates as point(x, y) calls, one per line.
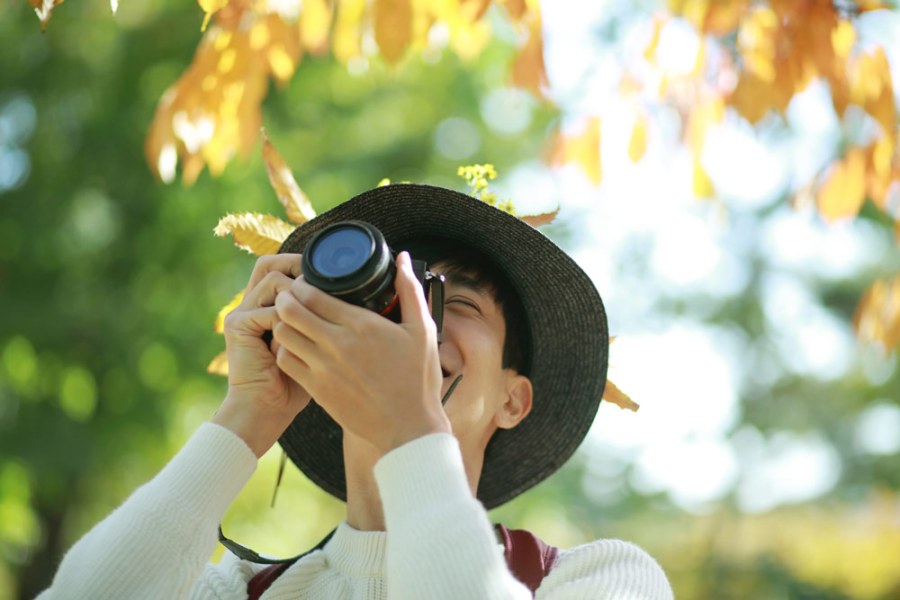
point(421, 474)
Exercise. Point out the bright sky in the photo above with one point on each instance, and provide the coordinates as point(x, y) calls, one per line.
point(685, 374)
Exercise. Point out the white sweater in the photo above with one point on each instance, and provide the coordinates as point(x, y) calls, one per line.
point(439, 542)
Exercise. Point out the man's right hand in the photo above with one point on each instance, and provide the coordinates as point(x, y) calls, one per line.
point(261, 401)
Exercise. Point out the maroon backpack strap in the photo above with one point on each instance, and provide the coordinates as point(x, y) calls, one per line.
point(265, 578)
point(527, 556)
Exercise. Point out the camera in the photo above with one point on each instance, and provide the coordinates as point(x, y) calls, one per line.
point(352, 261)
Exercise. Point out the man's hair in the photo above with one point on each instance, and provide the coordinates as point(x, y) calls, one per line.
point(466, 266)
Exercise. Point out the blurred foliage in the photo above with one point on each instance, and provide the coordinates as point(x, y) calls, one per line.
point(750, 61)
point(110, 283)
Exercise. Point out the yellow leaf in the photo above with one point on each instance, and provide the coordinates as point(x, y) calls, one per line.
point(393, 27)
point(582, 149)
point(528, 69)
point(871, 87)
point(752, 97)
point(296, 204)
point(254, 232)
point(843, 36)
point(650, 50)
point(348, 29)
point(724, 16)
point(219, 325)
point(756, 42)
point(210, 7)
point(844, 190)
point(213, 112)
point(219, 365)
point(879, 166)
point(541, 219)
point(473, 10)
point(611, 393)
point(638, 143)
point(877, 317)
point(315, 24)
point(515, 8)
point(703, 187)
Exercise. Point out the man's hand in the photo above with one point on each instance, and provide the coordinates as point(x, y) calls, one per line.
point(262, 401)
point(378, 379)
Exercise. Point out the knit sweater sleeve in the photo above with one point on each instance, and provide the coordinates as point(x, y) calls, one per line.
point(440, 542)
point(605, 569)
point(155, 545)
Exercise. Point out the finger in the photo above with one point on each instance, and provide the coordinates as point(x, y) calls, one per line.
point(293, 366)
point(413, 305)
point(326, 306)
point(263, 294)
point(296, 314)
point(289, 264)
point(295, 342)
point(250, 322)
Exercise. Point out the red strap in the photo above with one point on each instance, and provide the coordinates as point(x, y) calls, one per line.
point(265, 578)
point(527, 556)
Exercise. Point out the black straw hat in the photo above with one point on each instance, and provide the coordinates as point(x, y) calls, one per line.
point(566, 324)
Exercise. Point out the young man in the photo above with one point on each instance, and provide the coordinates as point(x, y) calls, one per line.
point(522, 324)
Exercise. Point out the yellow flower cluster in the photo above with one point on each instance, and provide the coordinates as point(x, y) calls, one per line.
point(477, 177)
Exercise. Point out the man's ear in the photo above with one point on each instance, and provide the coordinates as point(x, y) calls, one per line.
point(519, 396)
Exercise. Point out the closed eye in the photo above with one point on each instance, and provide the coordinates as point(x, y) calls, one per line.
point(464, 302)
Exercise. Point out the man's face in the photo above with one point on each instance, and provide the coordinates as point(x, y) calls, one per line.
point(473, 336)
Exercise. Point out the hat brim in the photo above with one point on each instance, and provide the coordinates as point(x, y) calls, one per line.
point(566, 321)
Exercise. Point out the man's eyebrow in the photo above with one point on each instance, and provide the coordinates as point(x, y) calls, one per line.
point(462, 279)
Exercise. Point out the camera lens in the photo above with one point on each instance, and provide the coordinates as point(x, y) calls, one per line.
point(352, 261)
point(342, 251)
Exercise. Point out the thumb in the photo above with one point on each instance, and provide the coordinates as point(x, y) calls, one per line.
point(413, 305)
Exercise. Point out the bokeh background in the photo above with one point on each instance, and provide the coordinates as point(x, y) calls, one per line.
point(732, 242)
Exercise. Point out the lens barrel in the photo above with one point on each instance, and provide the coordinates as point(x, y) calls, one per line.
point(351, 261)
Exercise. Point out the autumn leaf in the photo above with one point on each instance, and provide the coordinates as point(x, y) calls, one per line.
point(701, 183)
point(582, 149)
point(650, 51)
point(212, 112)
point(219, 325)
point(638, 143)
point(871, 87)
point(44, 9)
point(877, 317)
point(844, 189)
point(541, 219)
point(515, 8)
point(210, 7)
point(295, 202)
point(315, 25)
point(611, 393)
point(347, 36)
point(393, 27)
point(881, 170)
point(218, 365)
point(528, 70)
point(256, 233)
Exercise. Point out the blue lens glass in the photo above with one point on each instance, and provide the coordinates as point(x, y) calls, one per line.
point(342, 251)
